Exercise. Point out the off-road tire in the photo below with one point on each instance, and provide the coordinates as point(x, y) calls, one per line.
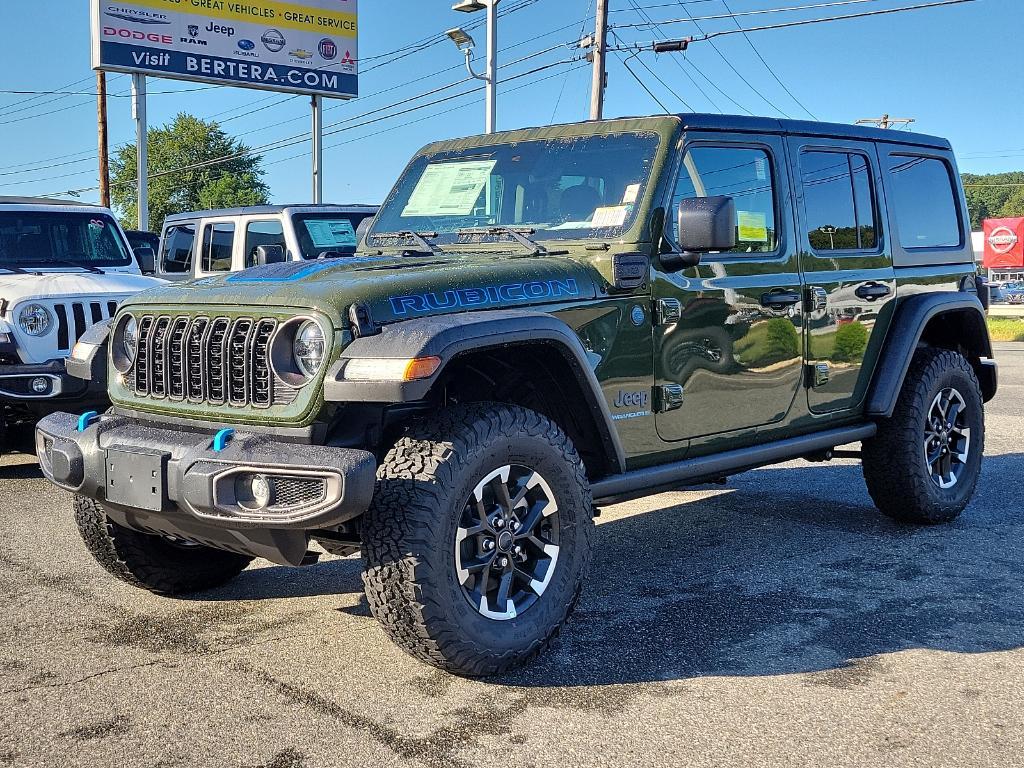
point(152, 562)
point(895, 468)
point(423, 486)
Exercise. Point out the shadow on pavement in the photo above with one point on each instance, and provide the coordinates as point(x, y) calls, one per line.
point(792, 570)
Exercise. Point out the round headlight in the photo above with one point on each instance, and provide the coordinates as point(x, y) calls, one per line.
point(308, 348)
point(35, 320)
point(130, 339)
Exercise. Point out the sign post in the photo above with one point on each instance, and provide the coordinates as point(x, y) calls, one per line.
point(141, 147)
point(290, 46)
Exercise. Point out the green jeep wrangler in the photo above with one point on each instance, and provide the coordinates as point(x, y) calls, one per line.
point(537, 323)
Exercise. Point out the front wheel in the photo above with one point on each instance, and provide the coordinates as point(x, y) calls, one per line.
point(924, 463)
point(478, 539)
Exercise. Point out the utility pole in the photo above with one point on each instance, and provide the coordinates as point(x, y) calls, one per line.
point(885, 121)
point(101, 124)
point(599, 79)
point(141, 147)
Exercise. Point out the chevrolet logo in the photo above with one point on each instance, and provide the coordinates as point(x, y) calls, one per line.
point(301, 53)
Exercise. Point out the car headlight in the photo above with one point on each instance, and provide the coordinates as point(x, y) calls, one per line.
point(124, 343)
point(130, 339)
point(308, 348)
point(35, 320)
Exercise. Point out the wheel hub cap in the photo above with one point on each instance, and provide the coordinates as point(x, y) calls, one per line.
point(947, 440)
point(506, 545)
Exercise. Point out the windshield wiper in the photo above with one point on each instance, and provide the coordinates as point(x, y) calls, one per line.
point(518, 234)
point(14, 270)
point(67, 263)
point(423, 244)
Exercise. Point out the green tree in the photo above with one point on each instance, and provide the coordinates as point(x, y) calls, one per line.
point(994, 196)
point(851, 341)
point(191, 144)
point(781, 341)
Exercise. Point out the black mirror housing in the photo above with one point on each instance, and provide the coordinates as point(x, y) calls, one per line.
point(706, 224)
point(146, 256)
point(269, 254)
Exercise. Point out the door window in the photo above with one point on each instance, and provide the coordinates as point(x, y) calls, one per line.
point(745, 175)
point(839, 201)
point(269, 232)
point(177, 252)
point(217, 242)
point(926, 207)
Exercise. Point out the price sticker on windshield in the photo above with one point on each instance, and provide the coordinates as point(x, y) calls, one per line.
point(449, 189)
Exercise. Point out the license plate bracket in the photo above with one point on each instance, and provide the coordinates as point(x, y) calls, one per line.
point(137, 477)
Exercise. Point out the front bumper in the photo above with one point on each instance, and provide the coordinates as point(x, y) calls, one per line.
point(37, 383)
point(174, 482)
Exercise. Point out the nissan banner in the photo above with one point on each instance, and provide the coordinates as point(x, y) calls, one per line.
point(307, 46)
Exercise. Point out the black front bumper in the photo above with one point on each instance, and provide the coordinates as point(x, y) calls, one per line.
point(60, 388)
point(174, 482)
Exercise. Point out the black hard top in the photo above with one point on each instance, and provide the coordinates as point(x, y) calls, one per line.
point(745, 124)
point(272, 209)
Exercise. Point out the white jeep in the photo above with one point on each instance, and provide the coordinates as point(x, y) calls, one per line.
point(63, 268)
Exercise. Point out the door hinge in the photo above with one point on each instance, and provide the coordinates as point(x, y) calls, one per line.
point(667, 311)
point(818, 374)
point(817, 299)
point(668, 397)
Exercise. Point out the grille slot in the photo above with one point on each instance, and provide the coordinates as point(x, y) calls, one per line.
point(75, 317)
point(203, 360)
point(295, 493)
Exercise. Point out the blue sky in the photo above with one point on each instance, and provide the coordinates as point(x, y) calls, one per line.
point(956, 69)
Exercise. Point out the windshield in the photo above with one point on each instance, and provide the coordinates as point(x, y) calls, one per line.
point(562, 189)
point(60, 239)
point(319, 233)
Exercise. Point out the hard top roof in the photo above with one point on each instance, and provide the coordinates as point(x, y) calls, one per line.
point(12, 200)
point(272, 209)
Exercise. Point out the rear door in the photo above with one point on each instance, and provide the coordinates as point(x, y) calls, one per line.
point(729, 333)
point(218, 250)
point(846, 260)
point(176, 248)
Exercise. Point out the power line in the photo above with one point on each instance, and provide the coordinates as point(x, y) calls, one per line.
point(758, 12)
point(625, 63)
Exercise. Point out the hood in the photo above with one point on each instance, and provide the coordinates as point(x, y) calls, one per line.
point(17, 288)
point(394, 287)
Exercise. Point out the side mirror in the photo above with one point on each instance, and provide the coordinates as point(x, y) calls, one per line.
point(268, 254)
point(703, 224)
point(146, 256)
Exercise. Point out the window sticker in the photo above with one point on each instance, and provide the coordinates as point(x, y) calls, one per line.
point(753, 227)
point(329, 233)
point(449, 189)
point(631, 194)
point(611, 216)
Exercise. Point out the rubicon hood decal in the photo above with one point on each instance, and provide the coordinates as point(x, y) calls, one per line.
point(472, 298)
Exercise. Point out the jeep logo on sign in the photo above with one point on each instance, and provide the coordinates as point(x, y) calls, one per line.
point(1002, 239)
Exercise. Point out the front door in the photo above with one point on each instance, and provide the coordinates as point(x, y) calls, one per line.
point(729, 333)
point(847, 264)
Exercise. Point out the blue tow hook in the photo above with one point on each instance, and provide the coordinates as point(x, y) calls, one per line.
point(86, 419)
point(222, 438)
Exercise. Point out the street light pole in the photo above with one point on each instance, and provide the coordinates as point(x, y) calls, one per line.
point(491, 76)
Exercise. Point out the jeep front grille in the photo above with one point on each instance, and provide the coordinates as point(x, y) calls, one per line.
point(213, 360)
point(75, 317)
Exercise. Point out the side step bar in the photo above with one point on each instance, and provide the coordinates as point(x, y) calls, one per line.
point(704, 468)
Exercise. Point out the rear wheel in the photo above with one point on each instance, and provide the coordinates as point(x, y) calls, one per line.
point(478, 539)
point(924, 463)
point(157, 563)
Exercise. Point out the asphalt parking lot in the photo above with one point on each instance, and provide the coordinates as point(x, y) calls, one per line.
point(777, 620)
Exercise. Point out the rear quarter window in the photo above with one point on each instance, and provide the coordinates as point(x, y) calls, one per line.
point(925, 202)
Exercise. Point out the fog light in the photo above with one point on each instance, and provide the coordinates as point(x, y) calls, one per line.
point(40, 385)
point(254, 491)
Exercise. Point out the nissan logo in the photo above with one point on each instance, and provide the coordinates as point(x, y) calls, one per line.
point(1002, 239)
point(273, 40)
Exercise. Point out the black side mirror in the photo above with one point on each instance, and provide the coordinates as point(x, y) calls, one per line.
point(703, 224)
point(146, 257)
point(268, 254)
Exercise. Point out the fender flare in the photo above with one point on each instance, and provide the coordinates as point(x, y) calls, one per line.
point(905, 333)
point(451, 336)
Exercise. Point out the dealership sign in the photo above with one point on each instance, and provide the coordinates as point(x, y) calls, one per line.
point(1004, 243)
point(306, 46)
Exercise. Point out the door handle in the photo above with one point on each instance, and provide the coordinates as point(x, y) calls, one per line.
point(872, 291)
point(779, 299)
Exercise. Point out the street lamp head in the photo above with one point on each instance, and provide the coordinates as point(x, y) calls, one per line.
point(462, 39)
point(469, 6)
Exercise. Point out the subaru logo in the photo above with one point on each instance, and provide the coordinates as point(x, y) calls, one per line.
point(273, 40)
point(246, 45)
point(193, 30)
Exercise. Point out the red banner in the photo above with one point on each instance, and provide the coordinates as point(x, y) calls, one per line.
point(1004, 243)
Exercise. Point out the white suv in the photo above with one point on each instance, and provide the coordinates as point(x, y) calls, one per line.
point(63, 268)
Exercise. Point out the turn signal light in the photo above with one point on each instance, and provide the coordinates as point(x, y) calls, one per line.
point(391, 369)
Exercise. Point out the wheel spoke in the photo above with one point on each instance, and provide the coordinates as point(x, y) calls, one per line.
point(954, 411)
point(503, 589)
